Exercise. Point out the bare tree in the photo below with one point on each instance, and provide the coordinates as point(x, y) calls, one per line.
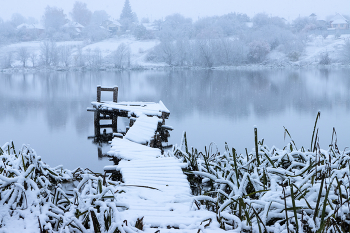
point(346, 51)
point(97, 57)
point(54, 18)
point(49, 53)
point(120, 56)
point(88, 57)
point(182, 48)
point(33, 58)
point(205, 52)
point(7, 60)
point(166, 50)
point(23, 55)
point(78, 56)
point(81, 13)
point(64, 53)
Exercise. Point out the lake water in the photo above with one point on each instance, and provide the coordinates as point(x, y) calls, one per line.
point(48, 110)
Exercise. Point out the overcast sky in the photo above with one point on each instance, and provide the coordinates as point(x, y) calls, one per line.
point(155, 9)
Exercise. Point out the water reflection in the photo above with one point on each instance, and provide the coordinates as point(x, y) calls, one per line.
point(48, 110)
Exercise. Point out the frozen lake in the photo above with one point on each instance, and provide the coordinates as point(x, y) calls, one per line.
point(48, 110)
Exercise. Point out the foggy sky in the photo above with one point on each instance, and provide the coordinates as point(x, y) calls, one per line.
point(156, 9)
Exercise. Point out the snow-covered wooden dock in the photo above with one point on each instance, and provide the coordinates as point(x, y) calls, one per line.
point(146, 120)
point(155, 188)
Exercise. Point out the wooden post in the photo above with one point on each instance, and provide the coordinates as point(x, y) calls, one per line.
point(97, 123)
point(98, 94)
point(115, 122)
point(115, 94)
point(99, 152)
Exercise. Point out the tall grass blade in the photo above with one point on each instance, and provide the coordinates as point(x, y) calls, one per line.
point(294, 207)
point(286, 132)
point(285, 206)
point(313, 133)
point(256, 146)
point(235, 164)
point(324, 208)
point(319, 198)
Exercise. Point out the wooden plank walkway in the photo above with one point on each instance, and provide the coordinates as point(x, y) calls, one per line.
point(143, 129)
point(157, 190)
point(155, 187)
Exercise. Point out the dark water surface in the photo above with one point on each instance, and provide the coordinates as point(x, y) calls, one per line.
point(48, 110)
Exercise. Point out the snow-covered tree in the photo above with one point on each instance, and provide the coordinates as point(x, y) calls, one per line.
point(258, 50)
point(64, 54)
point(49, 53)
point(205, 51)
point(7, 32)
point(141, 33)
point(81, 14)
point(7, 60)
point(17, 19)
point(53, 18)
point(121, 56)
point(176, 26)
point(346, 51)
point(95, 33)
point(304, 24)
point(127, 17)
point(33, 58)
point(23, 55)
point(166, 52)
point(98, 17)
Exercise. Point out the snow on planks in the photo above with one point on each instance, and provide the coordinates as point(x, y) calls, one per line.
point(157, 189)
point(143, 129)
point(125, 149)
point(134, 108)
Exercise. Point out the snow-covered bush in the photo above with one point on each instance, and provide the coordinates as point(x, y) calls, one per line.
point(141, 33)
point(121, 56)
point(346, 51)
point(324, 59)
point(6, 60)
point(23, 55)
point(258, 51)
point(35, 195)
point(294, 55)
point(271, 189)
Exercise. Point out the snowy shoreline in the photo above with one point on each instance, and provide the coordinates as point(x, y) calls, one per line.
point(168, 68)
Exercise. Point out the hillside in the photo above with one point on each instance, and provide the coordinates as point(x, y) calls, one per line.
point(139, 49)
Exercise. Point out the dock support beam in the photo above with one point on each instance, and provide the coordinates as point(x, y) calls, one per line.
point(114, 116)
point(113, 89)
point(97, 123)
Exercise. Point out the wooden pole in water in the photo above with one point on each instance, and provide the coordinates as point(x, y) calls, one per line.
point(115, 94)
point(115, 116)
point(97, 123)
point(115, 122)
point(98, 94)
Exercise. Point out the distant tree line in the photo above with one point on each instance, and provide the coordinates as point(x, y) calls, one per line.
point(226, 40)
point(231, 39)
point(55, 25)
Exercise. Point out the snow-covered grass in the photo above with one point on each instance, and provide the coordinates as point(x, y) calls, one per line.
point(267, 190)
point(35, 197)
point(271, 189)
point(319, 45)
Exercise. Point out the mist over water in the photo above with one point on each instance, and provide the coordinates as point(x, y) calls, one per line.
point(48, 110)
